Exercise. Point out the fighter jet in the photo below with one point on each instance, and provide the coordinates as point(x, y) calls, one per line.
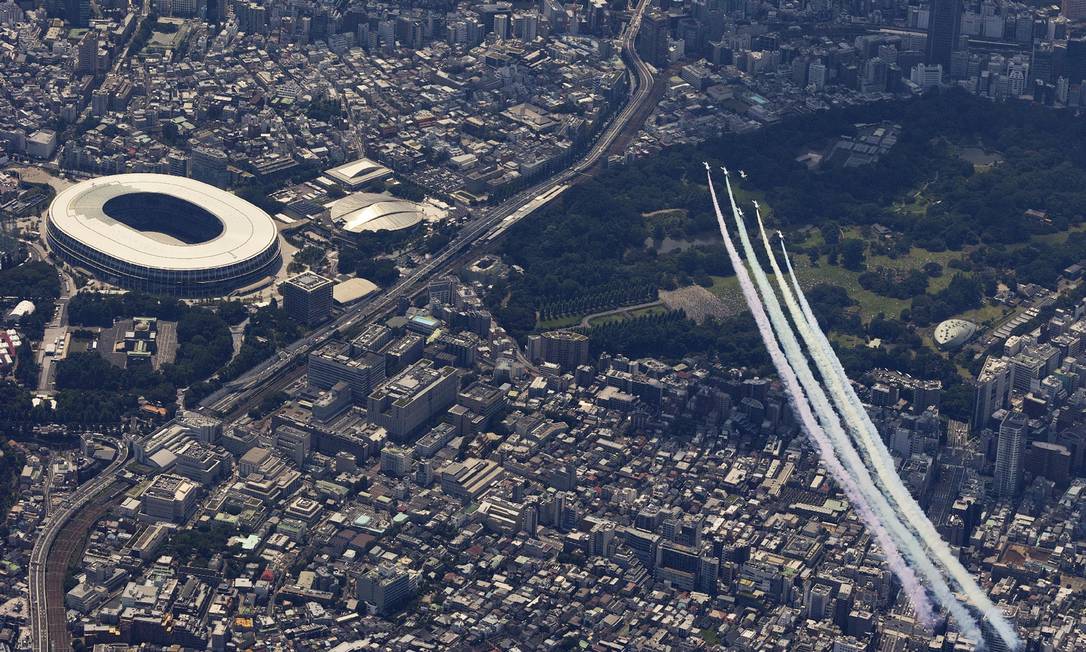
point(725, 170)
point(706, 164)
point(755, 202)
point(743, 174)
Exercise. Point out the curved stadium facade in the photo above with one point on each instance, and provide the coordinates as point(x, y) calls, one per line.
point(163, 234)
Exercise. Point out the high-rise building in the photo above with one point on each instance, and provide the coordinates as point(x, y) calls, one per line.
point(307, 298)
point(411, 398)
point(78, 12)
point(816, 75)
point(441, 289)
point(944, 28)
point(1010, 454)
point(992, 386)
point(386, 587)
point(332, 363)
point(1075, 60)
point(564, 348)
point(86, 62)
point(169, 498)
point(1073, 9)
point(652, 38)
point(926, 76)
point(252, 17)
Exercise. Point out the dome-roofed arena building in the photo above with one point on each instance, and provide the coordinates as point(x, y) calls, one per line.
point(163, 234)
point(363, 212)
point(953, 333)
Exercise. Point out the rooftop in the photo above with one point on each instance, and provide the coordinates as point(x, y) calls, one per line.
point(78, 212)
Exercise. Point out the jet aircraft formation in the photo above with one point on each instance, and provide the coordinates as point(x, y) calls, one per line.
point(834, 418)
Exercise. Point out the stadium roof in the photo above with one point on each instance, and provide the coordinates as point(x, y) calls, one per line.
point(77, 212)
point(374, 212)
point(358, 173)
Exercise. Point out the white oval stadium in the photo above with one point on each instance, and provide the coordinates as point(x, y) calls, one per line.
point(163, 234)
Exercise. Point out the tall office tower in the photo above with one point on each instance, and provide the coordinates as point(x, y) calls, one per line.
point(525, 27)
point(1042, 65)
point(1073, 9)
point(252, 17)
point(78, 12)
point(395, 461)
point(86, 62)
point(1010, 454)
point(993, 385)
point(386, 587)
point(441, 289)
point(944, 28)
point(816, 75)
point(652, 39)
point(294, 443)
point(307, 298)
point(501, 26)
point(1074, 61)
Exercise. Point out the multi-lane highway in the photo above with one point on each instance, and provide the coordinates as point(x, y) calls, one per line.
point(60, 540)
point(485, 225)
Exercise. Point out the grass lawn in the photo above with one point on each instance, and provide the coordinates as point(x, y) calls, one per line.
point(647, 310)
point(871, 304)
point(560, 322)
point(709, 635)
point(987, 315)
point(1059, 237)
point(845, 341)
point(656, 309)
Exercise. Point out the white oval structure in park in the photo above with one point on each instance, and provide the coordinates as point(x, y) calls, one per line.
point(163, 234)
point(953, 333)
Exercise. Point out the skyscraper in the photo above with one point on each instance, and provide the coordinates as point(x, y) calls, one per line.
point(1010, 453)
point(1073, 9)
point(1075, 60)
point(992, 386)
point(944, 28)
point(652, 42)
point(307, 298)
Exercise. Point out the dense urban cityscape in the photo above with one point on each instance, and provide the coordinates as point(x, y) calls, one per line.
point(600, 325)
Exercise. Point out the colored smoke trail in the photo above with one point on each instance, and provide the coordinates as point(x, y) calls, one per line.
point(868, 436)
point(817, 435)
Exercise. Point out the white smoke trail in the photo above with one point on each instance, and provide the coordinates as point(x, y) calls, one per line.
point(850, 406)
point(811, 426)
point(910, 547)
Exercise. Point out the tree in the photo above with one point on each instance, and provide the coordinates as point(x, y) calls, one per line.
point(852, 254)
point(233, 312)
